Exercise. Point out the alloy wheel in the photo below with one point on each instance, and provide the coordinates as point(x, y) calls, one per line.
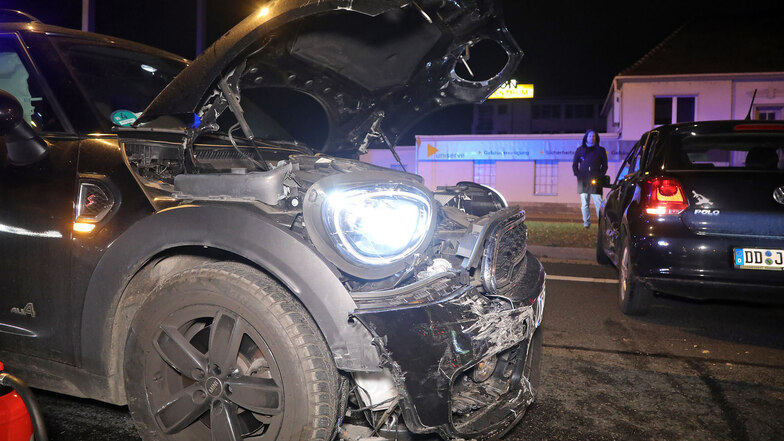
point(214, 373)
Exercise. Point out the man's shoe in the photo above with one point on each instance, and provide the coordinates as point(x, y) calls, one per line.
point(586, 226)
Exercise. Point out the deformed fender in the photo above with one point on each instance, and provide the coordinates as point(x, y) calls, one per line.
point(241, 230)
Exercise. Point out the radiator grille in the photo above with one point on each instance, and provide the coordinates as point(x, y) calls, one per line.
point(505, 255)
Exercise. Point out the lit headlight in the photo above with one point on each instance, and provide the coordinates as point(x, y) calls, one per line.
point(369, 224)
point(377, 226)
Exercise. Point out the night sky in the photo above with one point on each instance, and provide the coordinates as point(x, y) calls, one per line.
point(571, 48)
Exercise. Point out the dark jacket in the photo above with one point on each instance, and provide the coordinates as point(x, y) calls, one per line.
point(589, 163)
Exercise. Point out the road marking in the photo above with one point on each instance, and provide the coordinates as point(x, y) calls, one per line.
point(571, 261)
point(580, 279)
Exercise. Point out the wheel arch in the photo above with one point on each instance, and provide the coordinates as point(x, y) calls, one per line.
point(194, 234)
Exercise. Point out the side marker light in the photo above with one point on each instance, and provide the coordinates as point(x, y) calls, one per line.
point(83, 227)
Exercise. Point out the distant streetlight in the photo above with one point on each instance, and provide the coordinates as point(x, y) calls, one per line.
point(88, 15)
point(201, 24)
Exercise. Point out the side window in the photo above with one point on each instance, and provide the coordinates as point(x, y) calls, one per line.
point(648, 148)
point(626, 166)
point(18, 79)
point(634, 164)
point(636, 156)
point(117, 81)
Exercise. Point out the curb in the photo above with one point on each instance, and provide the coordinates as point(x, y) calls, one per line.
point(588, 254)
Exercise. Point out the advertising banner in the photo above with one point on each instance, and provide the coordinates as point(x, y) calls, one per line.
point(477, 148)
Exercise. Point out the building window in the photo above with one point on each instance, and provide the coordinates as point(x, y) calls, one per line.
point(673, 109)
point(484, 173)
point(546, 178)
point(768, 113)
point(589, 110)
point(662, 110)
point(546, 111)
point(502, 109)
point(578, 111)
point(684, 106)
point(484, 119)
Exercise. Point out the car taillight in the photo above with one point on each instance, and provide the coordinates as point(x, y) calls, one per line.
point(663, 196)
point(756, 127)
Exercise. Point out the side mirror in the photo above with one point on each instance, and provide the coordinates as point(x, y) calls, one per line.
point(22, 144)
point(601, 182)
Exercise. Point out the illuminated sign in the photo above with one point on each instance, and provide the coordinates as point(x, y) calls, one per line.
point(477, 148)
point(498, 149)
point(512, 90)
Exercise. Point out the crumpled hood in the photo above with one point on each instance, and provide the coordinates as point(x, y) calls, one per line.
point(375, 66)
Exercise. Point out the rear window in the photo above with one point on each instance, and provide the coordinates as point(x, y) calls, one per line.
point(737, 150)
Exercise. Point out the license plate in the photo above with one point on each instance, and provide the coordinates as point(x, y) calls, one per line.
point(759, 258)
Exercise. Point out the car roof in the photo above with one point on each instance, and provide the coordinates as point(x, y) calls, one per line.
point(718, 126)
point(14, 16)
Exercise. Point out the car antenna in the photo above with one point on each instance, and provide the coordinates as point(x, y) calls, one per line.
point(751, 106)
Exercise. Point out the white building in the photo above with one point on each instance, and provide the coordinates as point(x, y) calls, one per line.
point(706, 70)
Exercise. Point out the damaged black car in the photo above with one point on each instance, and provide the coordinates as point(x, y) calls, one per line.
point(232, 276)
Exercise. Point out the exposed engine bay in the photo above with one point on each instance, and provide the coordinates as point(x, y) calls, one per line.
point(280, 192)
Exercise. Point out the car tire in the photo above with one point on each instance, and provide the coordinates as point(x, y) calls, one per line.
point(601, 257)
point(633, 297)
point(267, 373)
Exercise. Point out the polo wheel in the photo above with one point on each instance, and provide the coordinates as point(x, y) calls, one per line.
point(224, 353)
point(633, 297)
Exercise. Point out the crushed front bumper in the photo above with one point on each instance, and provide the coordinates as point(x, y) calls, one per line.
point(432, 349)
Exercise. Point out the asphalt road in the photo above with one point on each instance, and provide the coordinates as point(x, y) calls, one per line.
point(685, 371)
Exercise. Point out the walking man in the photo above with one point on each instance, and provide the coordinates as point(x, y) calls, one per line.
point(590, 162)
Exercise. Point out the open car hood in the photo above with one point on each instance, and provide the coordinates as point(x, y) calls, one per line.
point(375, 66)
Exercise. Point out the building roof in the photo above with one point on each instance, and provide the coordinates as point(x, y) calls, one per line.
point(717, 44)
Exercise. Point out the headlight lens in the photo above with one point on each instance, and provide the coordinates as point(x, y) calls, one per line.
point(377, 225)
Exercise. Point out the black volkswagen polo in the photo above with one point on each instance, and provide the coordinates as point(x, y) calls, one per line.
point(697, 210)
point(203, 265)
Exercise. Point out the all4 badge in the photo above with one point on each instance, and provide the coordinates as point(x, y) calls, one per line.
point(28, 310)
point(124, 118)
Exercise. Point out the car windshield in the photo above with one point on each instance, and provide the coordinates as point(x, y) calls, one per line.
point(734, 150)
point(118, 82)
point(280, 114)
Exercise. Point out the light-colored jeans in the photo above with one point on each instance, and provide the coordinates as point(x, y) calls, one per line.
point(597, 202)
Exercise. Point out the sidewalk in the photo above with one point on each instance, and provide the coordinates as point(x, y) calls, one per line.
point(555, 212)
point(566, 253)
point(552, 212)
